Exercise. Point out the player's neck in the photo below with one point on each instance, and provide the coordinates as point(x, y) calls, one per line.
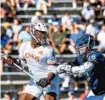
point(34, 43)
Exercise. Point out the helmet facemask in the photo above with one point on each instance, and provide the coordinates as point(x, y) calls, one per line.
point(41, 36)
point(82, 49)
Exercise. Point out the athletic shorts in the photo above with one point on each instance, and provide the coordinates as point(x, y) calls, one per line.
point(37, 91)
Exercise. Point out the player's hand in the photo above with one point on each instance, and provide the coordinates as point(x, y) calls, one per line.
point(43, 82)
point(64, 68)
point(8, 61)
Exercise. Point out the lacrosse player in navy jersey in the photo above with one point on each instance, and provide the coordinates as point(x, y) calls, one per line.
point(91, 63)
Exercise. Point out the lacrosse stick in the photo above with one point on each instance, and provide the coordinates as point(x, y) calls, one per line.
point(21, 69)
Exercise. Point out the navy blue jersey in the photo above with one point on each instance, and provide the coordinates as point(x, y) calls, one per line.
point(96, 76)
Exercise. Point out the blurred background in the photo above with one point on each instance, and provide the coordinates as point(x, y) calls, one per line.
point(66, 21)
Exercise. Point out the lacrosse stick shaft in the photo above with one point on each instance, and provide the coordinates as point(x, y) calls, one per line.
point(21, 69)
point(24, 71)
point(27, 73)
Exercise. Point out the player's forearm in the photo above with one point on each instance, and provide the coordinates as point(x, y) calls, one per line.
point(52, 71)
point(82, 69)
point(51, 76)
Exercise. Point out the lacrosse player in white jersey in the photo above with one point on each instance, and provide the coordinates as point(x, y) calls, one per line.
point(41, 61)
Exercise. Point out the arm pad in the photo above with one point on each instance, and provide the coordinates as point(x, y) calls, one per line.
point(82, 69)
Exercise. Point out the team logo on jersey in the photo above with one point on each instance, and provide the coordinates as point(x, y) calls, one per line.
point(30, 55)
point(93, 57)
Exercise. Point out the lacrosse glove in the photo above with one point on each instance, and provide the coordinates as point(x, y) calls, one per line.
point(43, 82)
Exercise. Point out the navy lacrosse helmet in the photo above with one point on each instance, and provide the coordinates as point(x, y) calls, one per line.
point(84, 43)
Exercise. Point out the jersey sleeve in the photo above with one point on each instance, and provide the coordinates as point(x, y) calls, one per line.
point(95, 57)
point(51, 60)
point(50, 55)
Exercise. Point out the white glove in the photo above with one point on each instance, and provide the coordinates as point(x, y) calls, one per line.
point(64, 68)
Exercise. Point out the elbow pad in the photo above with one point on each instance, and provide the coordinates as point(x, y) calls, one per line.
point(88, 66)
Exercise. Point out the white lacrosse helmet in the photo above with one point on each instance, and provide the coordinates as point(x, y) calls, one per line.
point(36, 27)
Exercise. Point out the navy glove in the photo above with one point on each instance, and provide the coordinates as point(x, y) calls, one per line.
point(43, 82)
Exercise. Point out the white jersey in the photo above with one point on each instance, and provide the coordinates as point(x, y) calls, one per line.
point(38, 59)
